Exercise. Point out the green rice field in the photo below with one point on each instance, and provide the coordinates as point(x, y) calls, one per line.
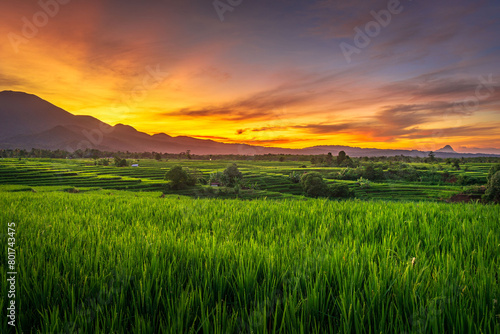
point(117, 256)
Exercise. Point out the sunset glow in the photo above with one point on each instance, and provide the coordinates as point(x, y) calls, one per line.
point(273, 73)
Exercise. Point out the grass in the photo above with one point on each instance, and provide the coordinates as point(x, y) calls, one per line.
point(112, 261)
point(98, 250)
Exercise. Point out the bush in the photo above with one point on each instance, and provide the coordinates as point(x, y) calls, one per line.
point(493, 188)
point(194, 173)
point(314, 185)
point(294, 177)
point(179, 178)
point(474, 190)
point(120, 162)
point(363, 183)
point(72, 190)
point(232, 175)
point(341, 190)
point(493, 170)
point(103, 162)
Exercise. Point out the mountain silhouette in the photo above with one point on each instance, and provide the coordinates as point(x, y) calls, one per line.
point(447, 149)
point(27, 121)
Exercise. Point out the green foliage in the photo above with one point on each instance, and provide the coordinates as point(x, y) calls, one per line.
point(219, 177)
point(495, 168)
point(341, 157)
point(314, 185)
point(72, 190)
point(123, 262)
point(493, 188)
point(372, 173)
point(432, 156)
point(179, 178)
point(232, 175)
point(103, 162)
point(363, 183)
point(401, 181)
point(294, 177)
point(340, 190)
point(120, 162)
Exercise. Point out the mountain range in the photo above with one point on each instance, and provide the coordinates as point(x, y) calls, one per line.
point(27, 121)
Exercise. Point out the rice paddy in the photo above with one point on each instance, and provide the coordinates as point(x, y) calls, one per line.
point(108, 259)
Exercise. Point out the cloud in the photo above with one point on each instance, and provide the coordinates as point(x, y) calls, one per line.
point(462, 131)
point(258, 106)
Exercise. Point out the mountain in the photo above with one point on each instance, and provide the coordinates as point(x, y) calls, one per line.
point(27, 121)
point(447, 149)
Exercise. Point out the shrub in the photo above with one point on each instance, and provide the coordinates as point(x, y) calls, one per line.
point(218, 177)
point(196, 175)
point(493, 188)
point(120, 162)
point(363, 183)
point(341, 190)
point(103, 162)
point(294, 177)
point(314, 185)
point(179, 178)
point(72, 190)
point(493, 170)
point(232, 174)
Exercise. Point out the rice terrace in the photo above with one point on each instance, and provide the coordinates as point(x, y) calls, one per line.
point(116, 249)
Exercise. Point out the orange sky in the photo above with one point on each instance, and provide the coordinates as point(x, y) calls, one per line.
point(270, 75)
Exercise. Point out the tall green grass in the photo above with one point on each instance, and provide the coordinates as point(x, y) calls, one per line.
point(136, 263)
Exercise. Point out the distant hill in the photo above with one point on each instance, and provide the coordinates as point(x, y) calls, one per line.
point(27, 121)
point(447, 149)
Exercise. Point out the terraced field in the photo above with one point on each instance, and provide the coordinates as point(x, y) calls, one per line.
point(263, 178)
point(102, 249)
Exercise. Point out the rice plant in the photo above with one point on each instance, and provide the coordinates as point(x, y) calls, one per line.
point(123, 262)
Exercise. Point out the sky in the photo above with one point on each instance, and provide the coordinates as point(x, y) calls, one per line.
point(285, 73)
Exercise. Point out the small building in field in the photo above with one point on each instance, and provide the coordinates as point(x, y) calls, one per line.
point(135, 165)
point(215, 184)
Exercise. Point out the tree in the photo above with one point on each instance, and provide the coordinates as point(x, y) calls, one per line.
point(493, 170)
point(233, 175)
point(120, 162)
point(329, 159)
point(456, 164)
point(314, 185)
point(179, 178)
point(493, 188)
point(341, 157)
point(158, 157)
point(369, 172)
point(432, 156)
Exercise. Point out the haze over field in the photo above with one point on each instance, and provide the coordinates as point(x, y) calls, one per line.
point(294, 74)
